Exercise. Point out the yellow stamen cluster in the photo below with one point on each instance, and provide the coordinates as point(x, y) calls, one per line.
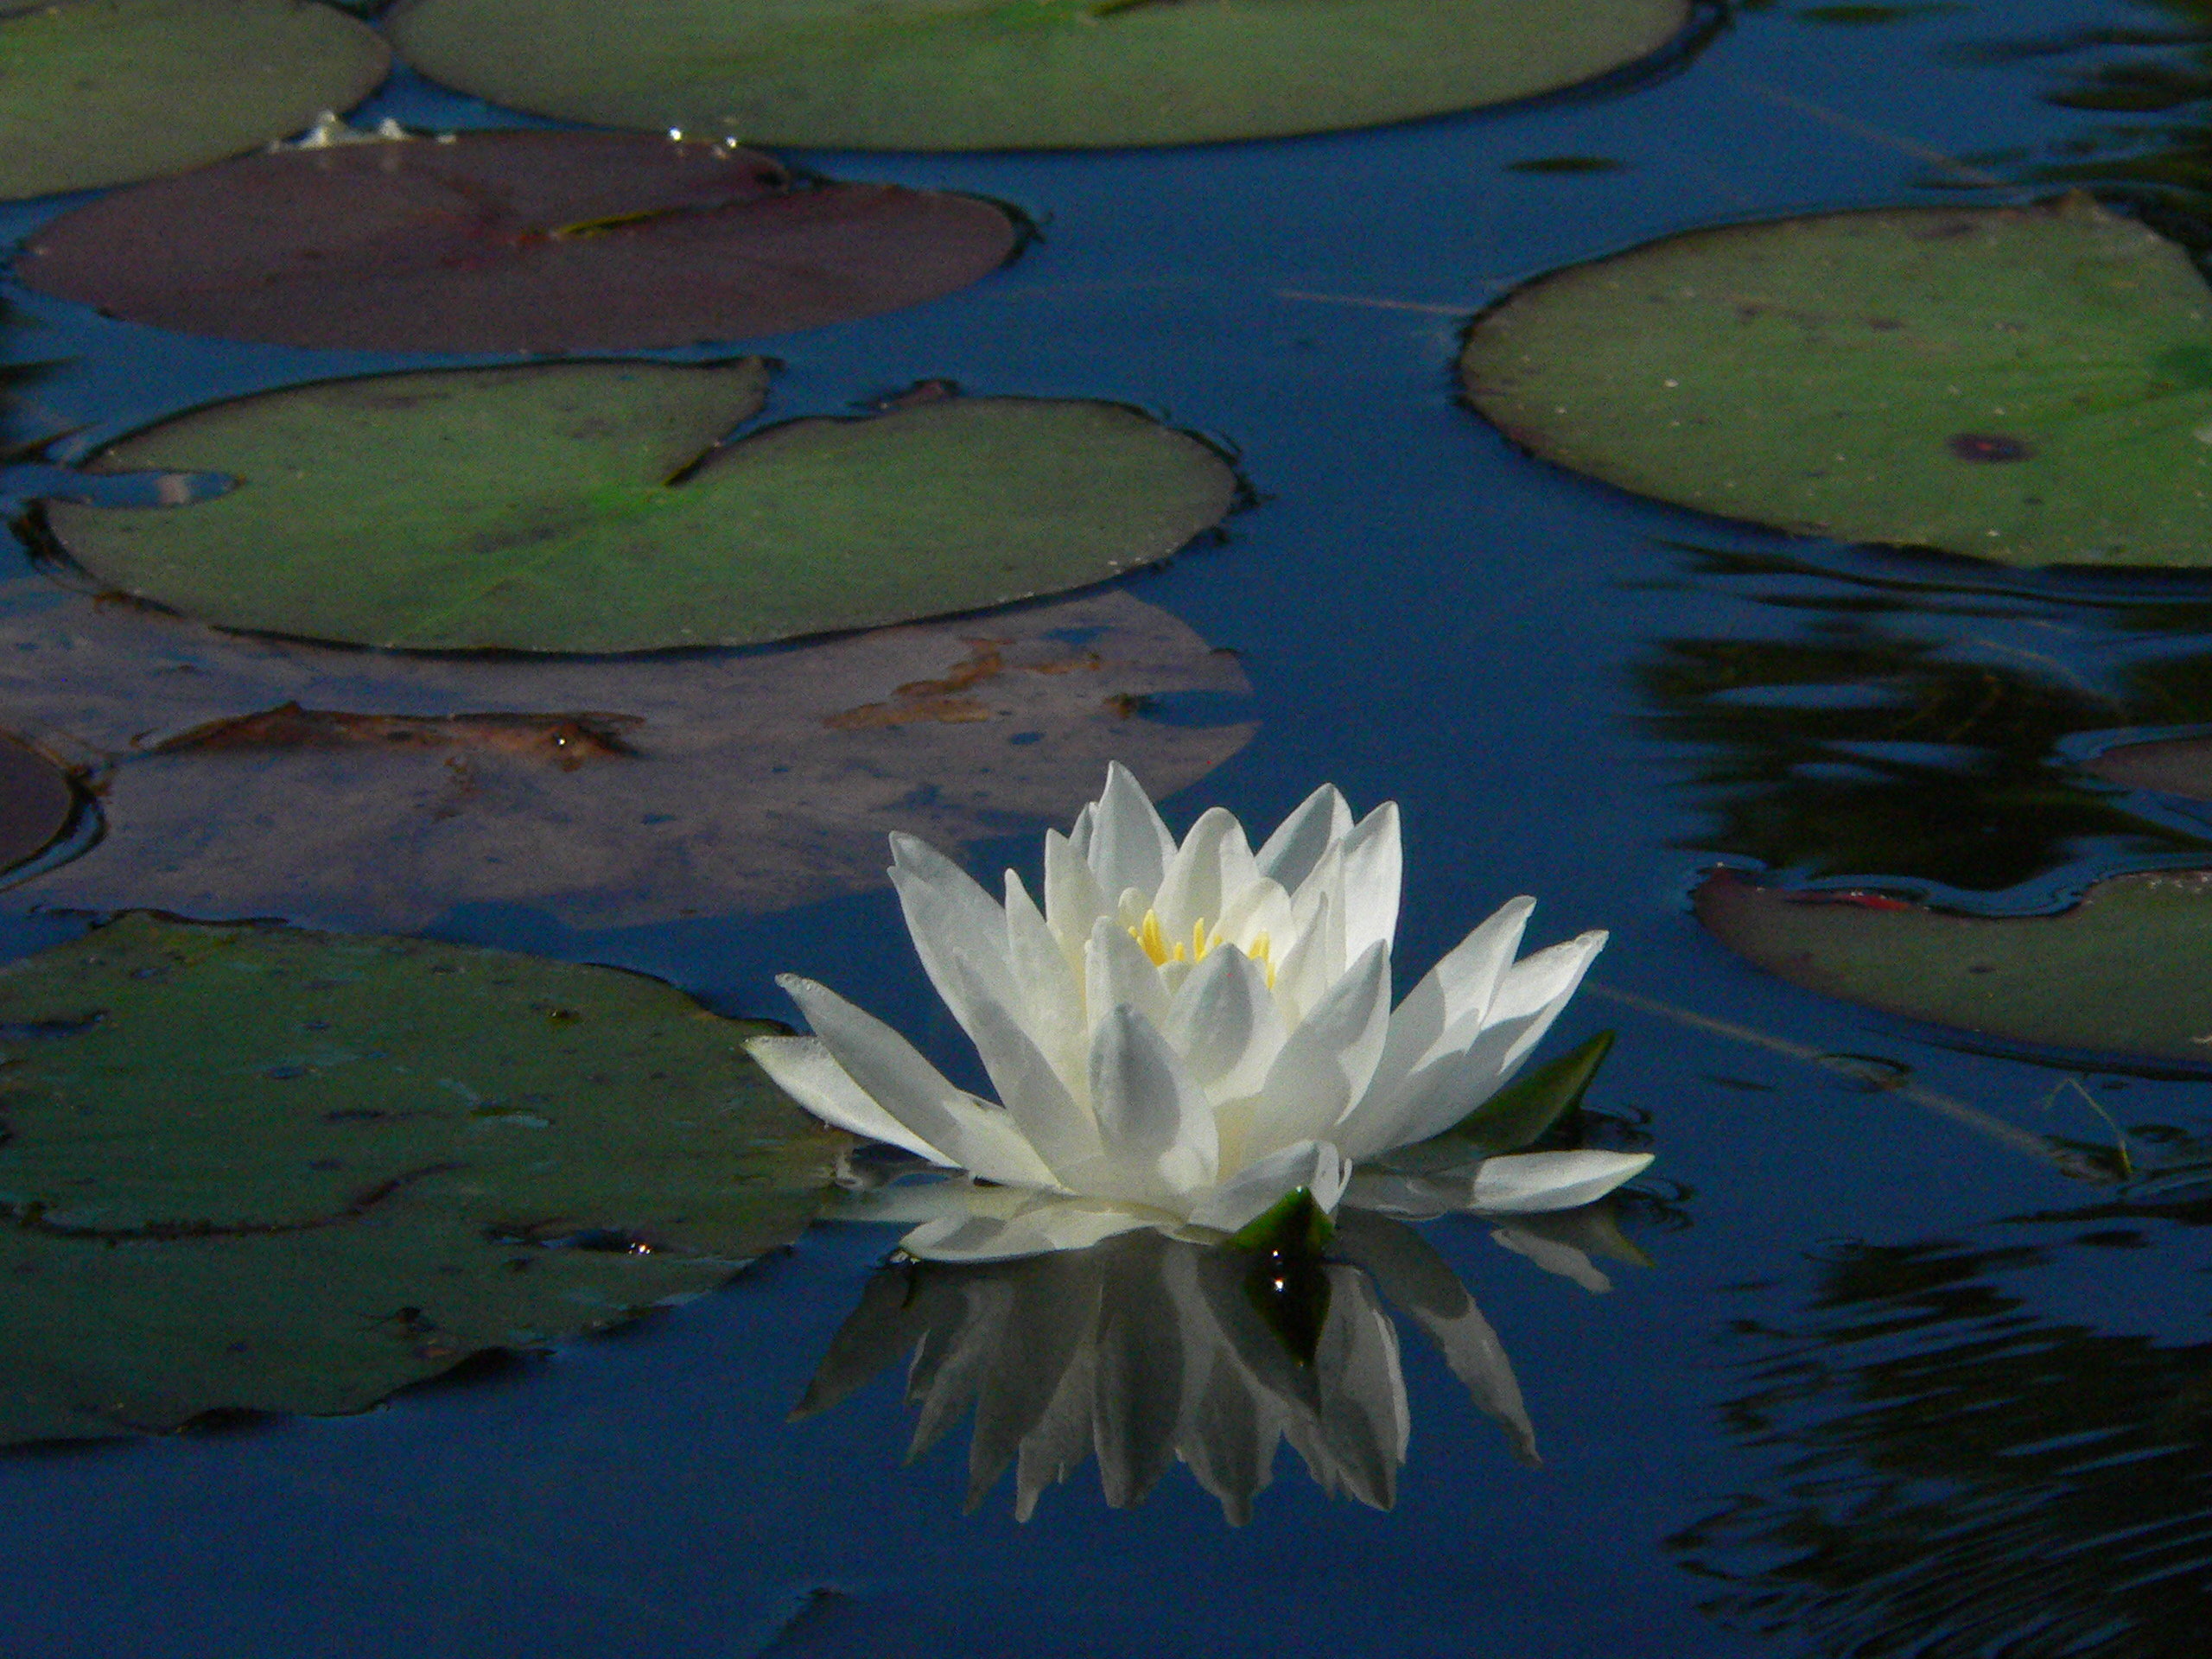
point(1149, 935)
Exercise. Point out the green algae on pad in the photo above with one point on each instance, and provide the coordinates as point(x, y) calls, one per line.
point(100, 91)
point(591, 507)
point(510, 241)
point(1002, 74)
point(246, 1167)
point(2123, 972)
point(2031, 385)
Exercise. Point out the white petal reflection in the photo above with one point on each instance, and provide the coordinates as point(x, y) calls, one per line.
point(1145, 1350)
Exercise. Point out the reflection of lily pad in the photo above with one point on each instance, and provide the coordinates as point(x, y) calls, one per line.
point(2123, 971)
point(510, 241)
point(586, 507)
point(985, 75)
point(36, 802)
point(2032, 385)
point(627, 790)
point(98, 91)
point(248, 1167)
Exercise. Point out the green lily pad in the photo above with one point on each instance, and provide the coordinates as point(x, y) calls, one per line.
point(590, 507)
point(102, 91)
point(510, 241)
point(2122, 972)
point(249, 1168)
point(996, 74)
point(2032, 385)
point(36, 802)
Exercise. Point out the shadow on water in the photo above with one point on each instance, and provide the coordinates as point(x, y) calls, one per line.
point(1919, 729)
point(1957, 1470)
point(2144, 82)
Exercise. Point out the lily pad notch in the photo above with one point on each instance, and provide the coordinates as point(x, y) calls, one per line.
point(600, 507)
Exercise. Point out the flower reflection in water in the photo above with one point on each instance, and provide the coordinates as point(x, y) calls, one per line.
point(1148, 1349)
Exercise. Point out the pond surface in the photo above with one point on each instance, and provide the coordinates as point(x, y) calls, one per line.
point(1903, 1377)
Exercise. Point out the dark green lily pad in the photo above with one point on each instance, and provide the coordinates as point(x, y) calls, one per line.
point(2123, 972)
point(246, 1167)
point(101, 92)
point(2031, 385)
point(36, 802)
point(510, 241)
point(996, 75)
point(587, 507)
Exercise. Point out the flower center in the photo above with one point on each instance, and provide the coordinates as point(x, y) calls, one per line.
point(1147, 935)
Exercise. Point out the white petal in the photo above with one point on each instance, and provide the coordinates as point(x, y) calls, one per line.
point(1326, 1062)
point(1050, 1116)
point(1449, 1086)
point(1191, 892)
point(1050, 982)
point(1546, 979)
point(1155, 1121)
point(1305, 973)
point(1130, 845)
point(807, 1072)
point(1458, 987)
point(1259, 906)
point(1313, 1165)
point(892, 1073)
point(1222, 1020)
point(948, 913)
point(1118, 974)
point(1373, 871)
point(1289, 854)
point(1317, 910)
point(1073, 901)
point(1055, 1224)
point(1550, 1181)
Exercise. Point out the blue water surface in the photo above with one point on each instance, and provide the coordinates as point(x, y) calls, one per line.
point(1429, 616)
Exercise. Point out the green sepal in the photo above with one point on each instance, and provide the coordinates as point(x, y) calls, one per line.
point(1292, 1225)
point(1514, 1117)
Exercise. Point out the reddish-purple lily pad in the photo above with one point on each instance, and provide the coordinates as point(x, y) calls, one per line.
point(510, 241)
point(2172, 765)
point(36, 803)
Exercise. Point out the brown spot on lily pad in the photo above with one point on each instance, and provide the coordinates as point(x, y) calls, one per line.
point(564, 741)
point(1987, 446)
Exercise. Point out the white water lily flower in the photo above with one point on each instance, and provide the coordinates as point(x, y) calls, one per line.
point(1183, 1035)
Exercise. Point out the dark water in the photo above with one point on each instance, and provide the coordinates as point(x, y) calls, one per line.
point(1897, 1383)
